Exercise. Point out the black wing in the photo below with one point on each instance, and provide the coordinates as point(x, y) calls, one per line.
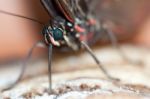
point(49, 6)
point(58, 8)
point(65, 9)
point(68, 9)
point(73, 8)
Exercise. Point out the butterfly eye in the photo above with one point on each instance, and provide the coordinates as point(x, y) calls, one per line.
point(57, 34)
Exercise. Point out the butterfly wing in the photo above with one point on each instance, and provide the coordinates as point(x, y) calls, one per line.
point(63, 7)
point(58, 8)
point(49, 6)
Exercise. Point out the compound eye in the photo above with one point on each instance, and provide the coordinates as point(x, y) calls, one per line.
point(57, 34)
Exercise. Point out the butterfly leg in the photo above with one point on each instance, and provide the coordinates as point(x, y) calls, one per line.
point(50, 47)
point(115, 44)
point(89, 50)
point(24, 65)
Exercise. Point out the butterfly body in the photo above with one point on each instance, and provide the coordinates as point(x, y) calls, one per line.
point(66, 29)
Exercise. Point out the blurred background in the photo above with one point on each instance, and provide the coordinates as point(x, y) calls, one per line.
point(129, 20)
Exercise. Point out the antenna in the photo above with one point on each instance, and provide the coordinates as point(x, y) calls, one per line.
point(20, 16)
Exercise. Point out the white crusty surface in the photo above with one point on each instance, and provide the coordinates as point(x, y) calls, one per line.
point(77, 77)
